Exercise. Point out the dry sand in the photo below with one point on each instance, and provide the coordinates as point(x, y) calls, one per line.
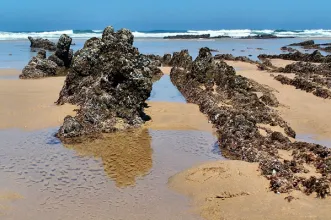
point(29, 104)
point(306, 113)
point(235, 190)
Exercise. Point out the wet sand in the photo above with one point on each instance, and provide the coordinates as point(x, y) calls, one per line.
point(235, 190)
point(122, 175)
point(306, 113)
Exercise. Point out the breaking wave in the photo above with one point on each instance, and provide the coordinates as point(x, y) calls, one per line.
point(85, 34)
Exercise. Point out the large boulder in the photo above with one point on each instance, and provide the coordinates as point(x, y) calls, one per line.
point(42, 44)
point(110, 81)
point(39, 67)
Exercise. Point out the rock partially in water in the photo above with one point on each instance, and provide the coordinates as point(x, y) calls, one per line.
point(166, 59)
point(316, 57)
point(39, 67)
point(230, 57)
point(41, 43)
point(56, 64)
point(110, 81)
point(304, 43)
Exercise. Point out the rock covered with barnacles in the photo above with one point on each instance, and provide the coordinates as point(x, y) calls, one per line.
point(110, 81)
point(231, 103)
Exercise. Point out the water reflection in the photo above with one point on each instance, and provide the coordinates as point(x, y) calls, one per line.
point(125, 155)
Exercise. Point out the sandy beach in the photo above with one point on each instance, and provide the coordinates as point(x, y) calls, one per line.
point(133, 167)
point(306, 113)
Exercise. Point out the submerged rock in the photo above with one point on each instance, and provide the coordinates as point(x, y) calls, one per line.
point(42, 43)
point(110, 81)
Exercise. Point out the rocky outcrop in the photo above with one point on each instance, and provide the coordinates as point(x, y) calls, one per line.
point(110, 81)
point(188, 36)
point(166, 59)
point(39, 67)
point(56, 64)
point(231, 103)
point(41, 43)
point(230, 57)
point(181, 59)
point(304, 43)
point(306, 84)
point(316, 57)
point(263, 36)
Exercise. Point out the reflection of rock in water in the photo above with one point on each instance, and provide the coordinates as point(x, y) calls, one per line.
point(125, 155)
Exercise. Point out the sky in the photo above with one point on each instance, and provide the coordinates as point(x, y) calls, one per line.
point(42, 15)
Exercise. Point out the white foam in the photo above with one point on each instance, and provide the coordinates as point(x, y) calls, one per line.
point(236, 33)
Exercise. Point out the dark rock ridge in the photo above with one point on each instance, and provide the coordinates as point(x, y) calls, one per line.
point(110, 81)
point(310, 44)
point(196, 36)
point(315, 57)
point(233, 106)
point(42, 44)
point(230, 57)
point(263, 36)
point(56, 64)
point(39, 67)
point(304, 43)
point(307, 84)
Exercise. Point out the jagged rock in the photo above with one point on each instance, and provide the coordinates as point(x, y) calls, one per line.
point(39, 67)
point(166, 59)
point(110, 81)
point(304, 43)
point(42, 44)
point(41, 54)
point(181, 59)
point(316, 56)
point(230, 57)
point(63, 51)
point(269, 99)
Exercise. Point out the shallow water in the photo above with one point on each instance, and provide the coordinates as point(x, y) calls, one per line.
point(127, 181)
point(312, 139)
point(21, 53)
point(164, 91)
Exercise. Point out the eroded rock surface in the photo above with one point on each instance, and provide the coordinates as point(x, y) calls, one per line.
point(56, 64)
point(41, 43)
point(233, 105)
point(39, 67)
point(316, 57)
point(110, 81)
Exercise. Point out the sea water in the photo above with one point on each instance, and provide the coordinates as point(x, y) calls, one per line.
point(17, 53)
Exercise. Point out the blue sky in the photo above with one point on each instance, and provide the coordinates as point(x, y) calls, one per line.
point(38, 15)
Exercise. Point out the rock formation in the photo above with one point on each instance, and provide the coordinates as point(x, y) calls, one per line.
point(39, 67)
point(56, 64)
point(304, 43)
point(316, 57)
point(181, 59)
point(230, 57)
point(42, 44)
point(110, 81)
point(238, 113)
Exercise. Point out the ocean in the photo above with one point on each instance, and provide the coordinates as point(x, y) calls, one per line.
point(15, 51)
point(236, 33)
